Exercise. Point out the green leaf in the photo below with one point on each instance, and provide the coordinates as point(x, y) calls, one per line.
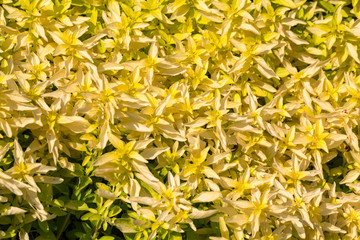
point(58, 202)
point(57, 211)
point(356, 7)
point(90, 216)
point(286, 3)
point(46, 193)
point(328, 6)
point(77, 205)
point(174, 236)
point(130, 236)
point(191, 235)
point(107, 238)
point(149, 189)
point(83, 182)
point(44, 226)
point(115, 210)
point(282, 72)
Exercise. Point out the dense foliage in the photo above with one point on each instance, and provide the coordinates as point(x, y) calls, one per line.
point(179, 119)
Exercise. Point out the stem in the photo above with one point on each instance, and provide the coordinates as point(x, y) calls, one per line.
point(63, 226)
point(96, 229)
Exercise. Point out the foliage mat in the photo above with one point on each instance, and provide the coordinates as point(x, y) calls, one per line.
point(179, 119)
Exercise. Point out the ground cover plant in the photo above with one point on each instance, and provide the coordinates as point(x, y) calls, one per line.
point(179, 119)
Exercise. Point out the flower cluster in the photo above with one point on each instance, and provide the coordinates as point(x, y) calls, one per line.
point(179, 119)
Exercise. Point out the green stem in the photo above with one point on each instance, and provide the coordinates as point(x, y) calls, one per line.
point(96, 229)
point(63, 226)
